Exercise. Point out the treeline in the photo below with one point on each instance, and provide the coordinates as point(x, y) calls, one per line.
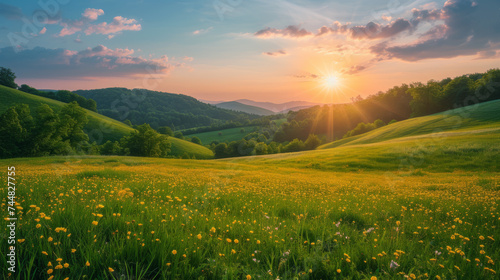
point(258, 144)
point(397, 103)
point(65, 96)
point(27, 134)
point(41, 133)
point(366, 127)
point(162, 109)
point(261, 121)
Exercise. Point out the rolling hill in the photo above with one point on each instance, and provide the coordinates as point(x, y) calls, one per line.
point(160, 108)
point(464, 139)
point(279, 107)
point(100, 128)
point(469, 119)
point(237, 106)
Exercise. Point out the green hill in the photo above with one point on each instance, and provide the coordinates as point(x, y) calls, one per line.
point(236, 106)
point(472, 119)
point(110, 129)
point(159, 109)
point(464, 139)
point(99, 125)
point(227, 135)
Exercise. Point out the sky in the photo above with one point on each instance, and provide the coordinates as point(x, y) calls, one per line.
point(223, 50)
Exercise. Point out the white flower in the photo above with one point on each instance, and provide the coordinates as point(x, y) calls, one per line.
point(394, 265)
point(370, 230)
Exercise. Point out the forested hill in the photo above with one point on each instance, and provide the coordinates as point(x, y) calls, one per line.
point(160, 108)
point(398, 103)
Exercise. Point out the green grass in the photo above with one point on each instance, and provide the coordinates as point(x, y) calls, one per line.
point(182, 147)
point(428, 203)
point(100, 128)
point(229, 135)
point(471, 119)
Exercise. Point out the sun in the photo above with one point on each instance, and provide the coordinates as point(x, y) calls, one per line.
point(330, 81)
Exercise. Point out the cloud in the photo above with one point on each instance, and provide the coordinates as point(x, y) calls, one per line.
point(92, 14)
point(369, 31)
point(276, 53)
point(85, 24)
point(202, 31)
point(99, 61)
point(376, 31)
point(43, 30)
point(290, 31)
point(469, 28)
point(458, 28)
point(307, 76)
point(118, 25)
point(10, 12)
point(354, 69)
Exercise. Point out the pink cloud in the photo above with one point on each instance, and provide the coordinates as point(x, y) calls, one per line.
point(92, 14)
point(43, 30)
point(118, 25)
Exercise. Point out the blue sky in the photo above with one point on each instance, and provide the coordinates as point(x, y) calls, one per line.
point(262, 50)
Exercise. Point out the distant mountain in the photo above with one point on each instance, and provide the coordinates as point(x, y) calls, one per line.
point(160, 108)
point(237, 106)
point(296, 109)
point(274, 107)
point(279, 107)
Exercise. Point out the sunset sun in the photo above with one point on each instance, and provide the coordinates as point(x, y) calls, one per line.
point(331, 81)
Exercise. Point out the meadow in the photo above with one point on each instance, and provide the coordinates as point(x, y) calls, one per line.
point(137, 218)
point(417, 199)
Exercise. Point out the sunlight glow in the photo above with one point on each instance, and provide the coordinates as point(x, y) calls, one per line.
point(331, 81)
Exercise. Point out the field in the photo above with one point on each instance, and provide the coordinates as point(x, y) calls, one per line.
point(230, 134)
point(416, 207)
point(100, 128)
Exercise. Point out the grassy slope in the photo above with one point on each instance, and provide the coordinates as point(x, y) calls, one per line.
point(481, 116)
point(113, 130)
point(438, 143)
point(230, 134)
point(110, 129)
point(179, 147)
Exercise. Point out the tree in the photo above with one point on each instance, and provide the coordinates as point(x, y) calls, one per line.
point(196, 140)
point(166, 131)
point(179, 135)
point(73, 119)
point(110, 148)
point(146, 142)
point(11, 134)
point(45, 138)
point(261, 148)
point(221, 150)
point(295, 146)
point(312, 142)
point(7, 77)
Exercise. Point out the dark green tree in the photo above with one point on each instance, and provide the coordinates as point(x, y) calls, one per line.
point(72, 120)
point(179, 135)
point(312, 142)
point(146, 142)
point(166, 130)
point(7, 77)
point(196, 140)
